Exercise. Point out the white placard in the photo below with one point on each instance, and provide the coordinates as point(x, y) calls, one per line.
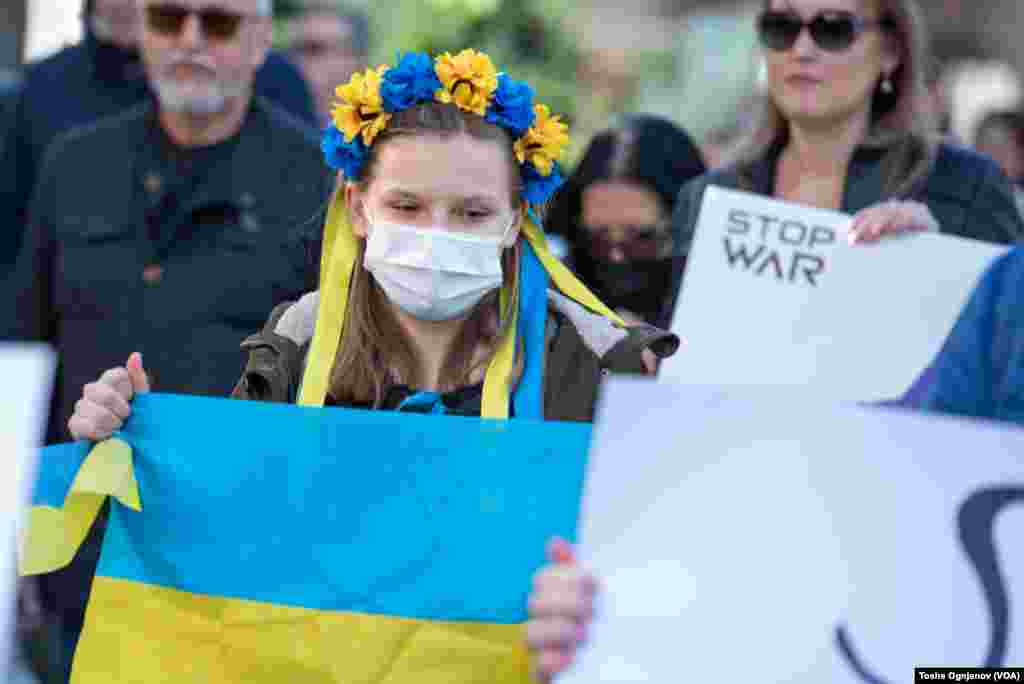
point(733, 538)
point(27, 371)
point(774, 294)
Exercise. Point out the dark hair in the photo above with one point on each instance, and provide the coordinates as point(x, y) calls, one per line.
point(646, 149)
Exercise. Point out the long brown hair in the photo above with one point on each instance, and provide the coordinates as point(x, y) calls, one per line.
point(902, 122)
point(374, 352)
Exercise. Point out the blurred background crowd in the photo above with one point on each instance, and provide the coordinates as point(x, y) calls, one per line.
point(656, 92)
point(591, 60)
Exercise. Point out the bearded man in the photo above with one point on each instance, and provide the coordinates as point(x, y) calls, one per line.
point(171, 228)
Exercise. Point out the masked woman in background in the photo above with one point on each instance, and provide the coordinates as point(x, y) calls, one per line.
point(614, 212)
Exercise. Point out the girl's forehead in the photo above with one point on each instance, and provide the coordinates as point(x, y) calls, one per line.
point(456, 165)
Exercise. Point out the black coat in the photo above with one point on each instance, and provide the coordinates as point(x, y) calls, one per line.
point(80, 85)
point(96, 282)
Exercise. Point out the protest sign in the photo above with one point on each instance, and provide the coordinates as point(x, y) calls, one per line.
point(761, 537)
point(774, 294)
point(261, 542)
point(27, 371)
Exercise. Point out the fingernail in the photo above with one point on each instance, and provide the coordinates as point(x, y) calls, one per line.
point(560, 550)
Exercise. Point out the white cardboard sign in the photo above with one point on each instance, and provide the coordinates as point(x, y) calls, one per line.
point(774, 294)
point(749, 536)
point(28, 375)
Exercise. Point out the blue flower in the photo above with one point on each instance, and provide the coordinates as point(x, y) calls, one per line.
point(347, 157)
point(512, 105)
point(412, 81)
point(538, 189)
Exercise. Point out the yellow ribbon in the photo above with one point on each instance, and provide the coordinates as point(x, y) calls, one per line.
point(337, 260)
point(336, 265)
point(54, 535)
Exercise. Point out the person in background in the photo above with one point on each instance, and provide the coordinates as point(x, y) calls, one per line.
point(10, 91)
point(1000, 136)
point(614, 212)
point(846, 125)
point(328, 44)
point(98, 77)
point(170, 228)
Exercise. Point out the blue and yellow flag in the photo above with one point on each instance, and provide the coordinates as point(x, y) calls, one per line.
point(252, 542)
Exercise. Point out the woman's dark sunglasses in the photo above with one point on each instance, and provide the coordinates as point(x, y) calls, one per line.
point(640, 242)
point(831, 31)
point(169, 20)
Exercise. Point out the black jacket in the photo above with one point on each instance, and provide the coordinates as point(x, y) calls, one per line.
point(93, 281)
point(967, 193)
point(80, 85)
point(243, 238)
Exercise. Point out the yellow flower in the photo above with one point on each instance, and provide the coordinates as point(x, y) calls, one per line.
point(361, 109)
point(545, 142)
point(468, 79)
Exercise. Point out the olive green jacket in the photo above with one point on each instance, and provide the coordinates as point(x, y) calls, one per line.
point(582, 347)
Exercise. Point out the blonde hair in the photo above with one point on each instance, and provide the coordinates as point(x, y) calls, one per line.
point(374, 352)
point(903, 121)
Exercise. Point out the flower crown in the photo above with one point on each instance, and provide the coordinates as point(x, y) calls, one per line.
point(469, 80)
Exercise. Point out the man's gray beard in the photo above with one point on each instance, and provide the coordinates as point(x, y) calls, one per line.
point(184, 100)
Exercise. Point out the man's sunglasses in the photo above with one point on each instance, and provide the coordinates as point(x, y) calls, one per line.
point(831, 31)
point(217, 24)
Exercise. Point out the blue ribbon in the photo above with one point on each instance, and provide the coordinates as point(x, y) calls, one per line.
point(431, 400)
point(527, 401)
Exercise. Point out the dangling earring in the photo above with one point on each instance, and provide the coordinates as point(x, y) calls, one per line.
point(886, 86)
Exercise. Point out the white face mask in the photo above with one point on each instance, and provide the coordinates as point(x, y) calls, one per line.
point(433, 274)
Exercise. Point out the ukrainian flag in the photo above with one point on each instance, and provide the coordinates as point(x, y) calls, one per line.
point(253, 542)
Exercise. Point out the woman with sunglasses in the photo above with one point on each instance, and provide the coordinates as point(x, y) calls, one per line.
point(846, 126)
point(614, 212)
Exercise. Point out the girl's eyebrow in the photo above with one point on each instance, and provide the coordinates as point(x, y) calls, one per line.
point(400, 193)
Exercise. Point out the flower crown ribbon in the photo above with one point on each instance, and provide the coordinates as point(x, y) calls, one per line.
point(469, 80)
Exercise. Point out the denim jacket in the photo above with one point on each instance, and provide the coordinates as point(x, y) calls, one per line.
point(980, 370)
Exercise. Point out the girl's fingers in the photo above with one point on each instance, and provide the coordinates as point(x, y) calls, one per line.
point(556, 632)
point(552, 661)
point(573, 605)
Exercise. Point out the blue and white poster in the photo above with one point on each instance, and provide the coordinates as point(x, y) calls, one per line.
point(775, 295)
point(749, 536)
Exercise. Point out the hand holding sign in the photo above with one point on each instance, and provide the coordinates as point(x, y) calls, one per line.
point(886, 218)
point(816, 543)
point(560, 607)
point(775, 295)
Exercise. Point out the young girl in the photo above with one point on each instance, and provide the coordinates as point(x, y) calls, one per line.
point(437, 291)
